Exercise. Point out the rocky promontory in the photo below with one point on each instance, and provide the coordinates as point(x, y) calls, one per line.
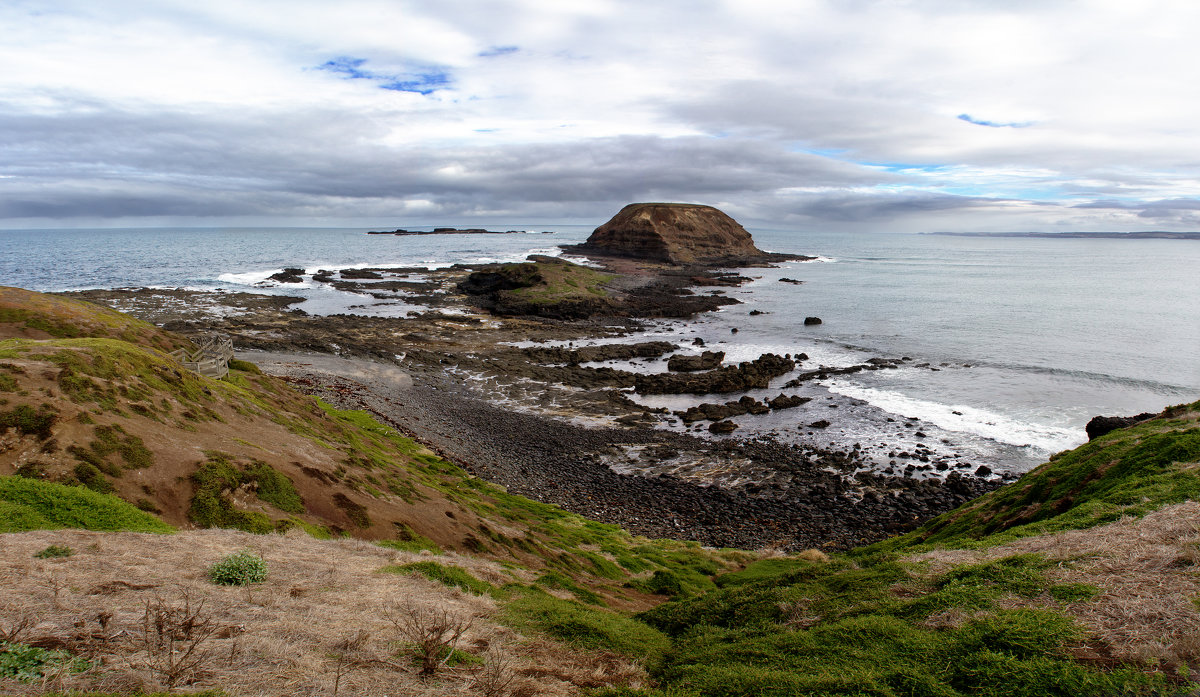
point(677, 234)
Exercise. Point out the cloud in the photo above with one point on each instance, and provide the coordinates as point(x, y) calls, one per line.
point(855, 115)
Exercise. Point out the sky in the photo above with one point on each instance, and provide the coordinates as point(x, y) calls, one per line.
point(855, 115)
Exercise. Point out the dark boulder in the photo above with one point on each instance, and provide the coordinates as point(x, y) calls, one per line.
point(808, 321)
point(1100, 425)
point(784, 401)
point(723, 427)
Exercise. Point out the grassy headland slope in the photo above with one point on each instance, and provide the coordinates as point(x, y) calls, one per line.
point(1078, 579)
point(114, 414)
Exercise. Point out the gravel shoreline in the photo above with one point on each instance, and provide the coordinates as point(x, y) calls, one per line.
point(822, 504)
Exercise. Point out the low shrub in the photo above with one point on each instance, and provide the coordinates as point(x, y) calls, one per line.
point(29, 663)
point(30, 504)
point(240, 568)
point(54, 552)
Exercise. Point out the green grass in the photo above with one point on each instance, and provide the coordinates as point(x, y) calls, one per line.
point(28, 504)
point(409, 540)
point(584, 626)
point(837, 629)
point(451, 576)
point(553, 282)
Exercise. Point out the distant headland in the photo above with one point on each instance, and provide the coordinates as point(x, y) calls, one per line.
point(1149, 235)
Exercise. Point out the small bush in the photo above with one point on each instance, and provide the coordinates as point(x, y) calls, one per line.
point(664, 583)
point(27, 421)
point(244, 366)
point(238, 569)
point(54, 552)
point(29, 663)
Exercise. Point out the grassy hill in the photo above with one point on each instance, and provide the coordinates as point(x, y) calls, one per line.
point(1078, 579)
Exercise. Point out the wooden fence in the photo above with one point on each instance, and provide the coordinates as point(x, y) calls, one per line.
point(211, 359)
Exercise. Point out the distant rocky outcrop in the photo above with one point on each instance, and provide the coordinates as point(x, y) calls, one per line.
point(676, 233)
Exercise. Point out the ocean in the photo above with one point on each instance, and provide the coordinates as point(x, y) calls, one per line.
point(1015, 342)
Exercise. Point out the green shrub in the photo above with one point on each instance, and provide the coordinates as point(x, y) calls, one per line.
point(664, 583)
point(275, 488)
point(240, 568)
point(91, 477)
point(28, 663)
point(244, 366)
point(30, 504)
point(54, 552)
point(28, 421)
point(211, 507)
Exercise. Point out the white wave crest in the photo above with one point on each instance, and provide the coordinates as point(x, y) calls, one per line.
point(964, 419)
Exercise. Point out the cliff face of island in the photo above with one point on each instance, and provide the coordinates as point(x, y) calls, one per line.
point(673, 233)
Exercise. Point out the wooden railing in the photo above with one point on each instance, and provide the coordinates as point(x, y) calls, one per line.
point(211, 359)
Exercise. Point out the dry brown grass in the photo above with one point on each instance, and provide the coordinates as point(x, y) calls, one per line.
point(318, 619)
point(1146, 570)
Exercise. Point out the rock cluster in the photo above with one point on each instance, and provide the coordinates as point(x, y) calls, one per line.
point(709, 411)
point(731, 378)
point(288, 275)
point(688, 364)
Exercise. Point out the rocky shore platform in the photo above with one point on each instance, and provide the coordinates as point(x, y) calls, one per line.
point(525, 375)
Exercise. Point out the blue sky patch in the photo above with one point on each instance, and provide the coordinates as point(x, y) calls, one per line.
point(419, 79)
point(994, 124)
point(492, 51)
